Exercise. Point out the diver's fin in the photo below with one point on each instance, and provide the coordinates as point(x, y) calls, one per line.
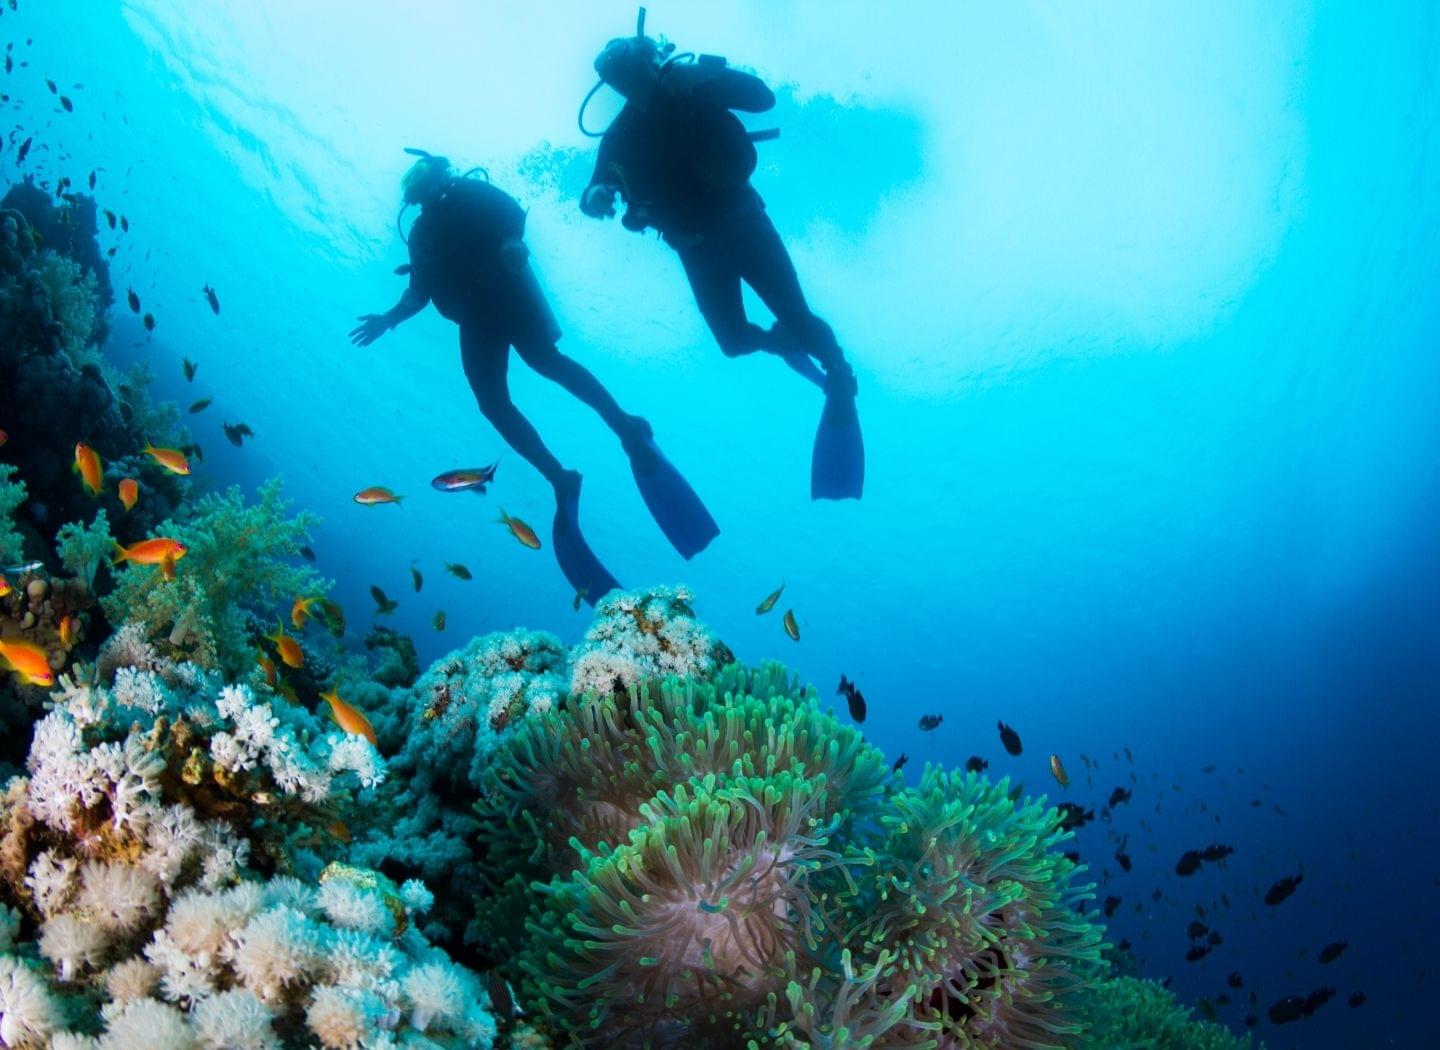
point(672, 502)
point(837, 465)
point(577, 560)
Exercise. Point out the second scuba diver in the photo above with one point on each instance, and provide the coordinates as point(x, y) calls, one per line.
point(468, 257)
point(682, 163)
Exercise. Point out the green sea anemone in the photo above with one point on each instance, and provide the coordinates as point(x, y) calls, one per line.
point(971, 899)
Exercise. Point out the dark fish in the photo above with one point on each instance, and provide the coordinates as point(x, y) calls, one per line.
point(66, 104)
point(201, 405)
point(1251, 1020)
point(416, 579)
point(1282, 889)
point(212, 299)
point(854, 697)
point(149, 320)
point(384, 605)
point(1111, 903)
point(1188, 864)
point(900, 762)
point(403, 269)
point(1207, 1009)
point(792, 626)
point(237, 433)
point(1009, 738)
point(1197, 952)
point(1215, 938)
point(110, 218)
point(92, 180)
point(1208, 769)
point(1333, 951)
point(1072, 855)
point(1073, 815)
point(331, 615)
point(189, 366)
point(54, 89)
point(439, 620)
point(1235, 980)
point(307, 554)
point(1123, 859)
point(1124, 944)
point(24, 146)
point(976, 764)
point(501, 1001)
point(1118, 796)
point(1156, 894)
point(1215, 851)
point(1129, 757)
point(1196, 930)
point(134, 301)
point(454, 568)
point(929, 722)
point(465, 479)
point(1356, 999)
point(124, 224)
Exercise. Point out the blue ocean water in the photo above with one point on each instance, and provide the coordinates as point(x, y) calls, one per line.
point(1145, 306)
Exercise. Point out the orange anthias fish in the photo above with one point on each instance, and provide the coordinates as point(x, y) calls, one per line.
point(289, 648)
point(791, 627)
point(5, 587)
point(1058, 770)
point(377, 494)
point(770, 600)
point(28, 661)
point(348, 717)
point(151, 552)
point(87, 465)
point(300, 611)
point(172, 460)
point(129, 493)
point(68, 631)
point(268, 666)
point(167, 568)
point(522, 532)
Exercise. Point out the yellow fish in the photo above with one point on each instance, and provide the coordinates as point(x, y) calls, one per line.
point(268, 666)
point(289, 648)
point(88, 466)
point(791, 627)
point(28, 661)
point(167, 567)
point(1058, 770)
point(770, 600)
point(5, 587)
point(377, 494)
point(68, 630)
point(129, 493)
point(172, 460)
point(522, 532)
point(348, 717)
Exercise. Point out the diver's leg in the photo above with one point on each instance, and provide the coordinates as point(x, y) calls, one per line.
point(715, 280)
point(487, 361)
point(765, 265)
point(548, 361)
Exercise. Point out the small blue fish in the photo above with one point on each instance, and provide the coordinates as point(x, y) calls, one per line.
point(463, 479)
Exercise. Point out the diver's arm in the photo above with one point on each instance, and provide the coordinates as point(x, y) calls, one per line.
point(373, 326)
point(598, 200)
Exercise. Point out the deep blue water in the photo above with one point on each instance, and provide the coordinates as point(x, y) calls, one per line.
point(1145, 304)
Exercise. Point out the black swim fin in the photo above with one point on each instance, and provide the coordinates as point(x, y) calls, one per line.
point(837, 464)
point(591, 580)
point(672, 502)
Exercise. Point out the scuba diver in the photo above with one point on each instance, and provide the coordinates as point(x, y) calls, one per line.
point(468, 257)
point(682, 163)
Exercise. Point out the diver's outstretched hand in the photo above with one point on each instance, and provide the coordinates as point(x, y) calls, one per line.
point(370, 328)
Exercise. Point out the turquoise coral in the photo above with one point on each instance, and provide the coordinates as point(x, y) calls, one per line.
point(1145, 1015)
point(12, 494)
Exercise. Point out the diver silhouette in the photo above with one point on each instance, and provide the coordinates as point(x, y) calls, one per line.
point(468, 257)
point(682, 162)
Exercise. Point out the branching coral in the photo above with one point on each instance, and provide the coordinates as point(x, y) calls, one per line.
point(236, 575)
point(1129, 1012)
point(84, 548)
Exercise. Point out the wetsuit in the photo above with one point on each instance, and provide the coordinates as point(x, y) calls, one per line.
point(683, 164)
point(455, 258)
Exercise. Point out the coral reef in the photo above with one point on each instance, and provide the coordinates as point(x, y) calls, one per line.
point(240, 568)
point(637, 635)
point(1129, 1012)
point(170, 849)
point(12, 494)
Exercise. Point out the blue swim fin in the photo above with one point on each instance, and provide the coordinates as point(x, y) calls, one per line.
point(837, 464)
point(672, 502)
point(577, 561)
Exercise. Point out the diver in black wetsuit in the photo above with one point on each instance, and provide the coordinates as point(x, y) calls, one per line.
point(468, 257)
point(682, 162)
